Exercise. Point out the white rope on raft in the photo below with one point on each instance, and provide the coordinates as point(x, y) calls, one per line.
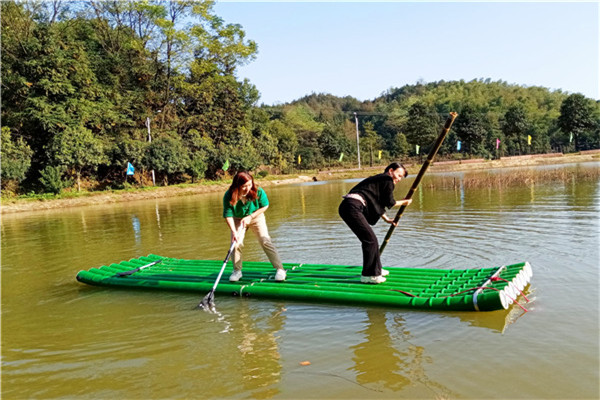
point(480, 289)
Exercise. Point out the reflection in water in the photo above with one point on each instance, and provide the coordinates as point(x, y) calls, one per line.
point(376, 359)
point(496, 321)
point(462, 194)
point(532, 193)
point(83, 223)
point(158, 222)
point(391, 360)
point(302, 200)
point(135, 222)
point(260, 358)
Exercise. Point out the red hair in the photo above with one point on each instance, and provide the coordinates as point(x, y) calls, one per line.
point(239, 180)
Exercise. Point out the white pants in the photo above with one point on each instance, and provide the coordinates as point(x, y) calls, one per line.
point(258, 225)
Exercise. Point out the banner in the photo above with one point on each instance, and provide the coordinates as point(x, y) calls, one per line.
point(529, 140)
point(225, 165)
point(497, 143)
point(341, 157)
point(458, 144)
point(380, 154)
point(417, 147)
point(299, 159)
point(130, 169)
point(571, 137)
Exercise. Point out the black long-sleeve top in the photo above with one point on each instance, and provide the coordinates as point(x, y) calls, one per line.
point(378, 192)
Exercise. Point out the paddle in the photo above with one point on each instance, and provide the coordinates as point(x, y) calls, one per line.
point(208, 303)
point(413, 188)
point(133, 271)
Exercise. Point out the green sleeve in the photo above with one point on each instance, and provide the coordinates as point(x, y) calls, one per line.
point(227, 208)
point(262, 198)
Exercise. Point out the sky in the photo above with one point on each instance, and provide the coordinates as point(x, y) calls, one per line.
point(363, 49)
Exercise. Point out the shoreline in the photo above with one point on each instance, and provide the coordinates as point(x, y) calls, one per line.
point(95, 198)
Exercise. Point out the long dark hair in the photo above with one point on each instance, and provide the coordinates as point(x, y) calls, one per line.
point(395, 166)
point(238, 181)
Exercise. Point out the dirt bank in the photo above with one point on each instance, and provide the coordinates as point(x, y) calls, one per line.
point(21, 205)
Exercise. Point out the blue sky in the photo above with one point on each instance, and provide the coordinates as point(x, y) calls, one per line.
point(361, 49)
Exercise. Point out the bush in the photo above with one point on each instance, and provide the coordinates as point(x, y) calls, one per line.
point(52, 181)
point(198, 166)
point(15, 156)
point(167, 155)
point(262, 174)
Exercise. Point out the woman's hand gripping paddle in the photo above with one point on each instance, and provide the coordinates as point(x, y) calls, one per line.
point(208, 302)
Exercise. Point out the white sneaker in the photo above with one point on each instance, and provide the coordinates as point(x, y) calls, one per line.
point(372, 279)
point(385, 272)
point(236, 275)
point(280, 275)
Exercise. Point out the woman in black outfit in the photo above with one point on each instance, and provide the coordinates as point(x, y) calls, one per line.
point(363, 206)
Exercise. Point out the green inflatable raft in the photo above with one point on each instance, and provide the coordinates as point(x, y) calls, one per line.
point(479, 289)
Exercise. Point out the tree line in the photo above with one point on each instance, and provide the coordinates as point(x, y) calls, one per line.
point(88, 87)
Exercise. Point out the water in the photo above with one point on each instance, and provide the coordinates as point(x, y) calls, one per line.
point(63, 339)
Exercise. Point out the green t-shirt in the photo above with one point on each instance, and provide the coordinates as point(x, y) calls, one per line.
point(241, 210)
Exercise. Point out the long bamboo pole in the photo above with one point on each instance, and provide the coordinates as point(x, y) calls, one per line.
point(417, 181)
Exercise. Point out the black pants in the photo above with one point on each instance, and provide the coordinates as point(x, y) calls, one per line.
point(352, 212)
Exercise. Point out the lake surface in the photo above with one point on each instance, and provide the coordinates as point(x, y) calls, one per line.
point(64, 339)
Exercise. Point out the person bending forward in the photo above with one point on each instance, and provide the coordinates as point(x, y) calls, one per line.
point(363, 206)
point(246, 203)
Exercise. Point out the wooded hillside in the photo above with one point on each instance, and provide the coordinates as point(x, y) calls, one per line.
point(90, 86)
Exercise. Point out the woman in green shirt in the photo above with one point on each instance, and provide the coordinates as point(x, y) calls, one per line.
point(246, 203)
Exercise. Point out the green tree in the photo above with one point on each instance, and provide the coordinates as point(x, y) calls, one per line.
point(15, 156)
point(576, 118)
point(51, 179)
point(241, 151)
point(370, 141)
point(77, 149)
point(390, 125)
point(515, 125)
point(201, 152)
point(471, 129)
point(127, 149)
point(302, 121)
point(49, 84)
point(167, 156)
point(400, 146)
point(198, 165)
point(287, 143)
point(422, 126)
point(333, 142)
point(213, 101)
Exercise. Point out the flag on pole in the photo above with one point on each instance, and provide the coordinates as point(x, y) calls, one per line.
point(458, 144)
point(417, 147)
point(299, 159)
point(497, 143)
point(380, 154)
point(341, 157)
point(225, 165)
point(529, 140)
point(130, 169)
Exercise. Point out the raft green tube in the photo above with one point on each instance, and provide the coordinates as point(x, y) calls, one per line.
point(437, 289)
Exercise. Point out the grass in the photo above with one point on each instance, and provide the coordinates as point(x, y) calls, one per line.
point(514, 178)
